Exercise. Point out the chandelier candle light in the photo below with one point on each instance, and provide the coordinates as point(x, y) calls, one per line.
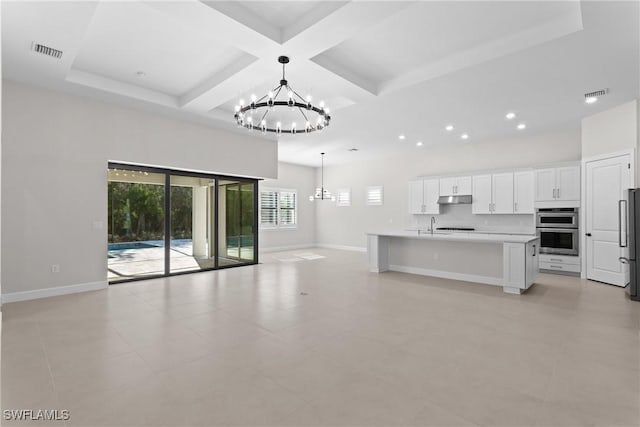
point(322, 193)
point(244, 114)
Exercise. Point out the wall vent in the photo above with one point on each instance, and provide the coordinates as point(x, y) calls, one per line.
point(46, 50)
point(596, 94)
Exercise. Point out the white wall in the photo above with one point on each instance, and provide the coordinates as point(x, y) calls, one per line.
point(346, 226)
point(302, 179)
point(54, 182)
point(611, 131)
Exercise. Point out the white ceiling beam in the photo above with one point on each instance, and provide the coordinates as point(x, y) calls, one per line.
point(199, 15)
point(340, 26)
point(208, 96)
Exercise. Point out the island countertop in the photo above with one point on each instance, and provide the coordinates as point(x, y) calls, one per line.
point(457, 236)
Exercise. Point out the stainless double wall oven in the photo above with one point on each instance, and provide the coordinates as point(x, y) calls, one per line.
point(558, 230)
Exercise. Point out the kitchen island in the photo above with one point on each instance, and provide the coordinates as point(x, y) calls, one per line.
point(506, 260)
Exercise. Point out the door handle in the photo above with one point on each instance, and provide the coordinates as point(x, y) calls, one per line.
point(587, 234)
point(620, 211)
point(623, 260)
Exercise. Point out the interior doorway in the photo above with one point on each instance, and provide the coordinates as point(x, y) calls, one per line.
point(607, 180)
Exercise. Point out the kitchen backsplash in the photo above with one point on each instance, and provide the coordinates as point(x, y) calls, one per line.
point(461, 216)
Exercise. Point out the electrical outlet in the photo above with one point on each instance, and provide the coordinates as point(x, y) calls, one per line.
point(55, 268)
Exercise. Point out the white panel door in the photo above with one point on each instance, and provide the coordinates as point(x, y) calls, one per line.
point(430, 196)
point(481, 198)
point(416, 202)
point(446, 186)
point(568, 183)
point(463, 185)
point(607, 181)
point(502, 193)
point(523, 192)
point(545, 184)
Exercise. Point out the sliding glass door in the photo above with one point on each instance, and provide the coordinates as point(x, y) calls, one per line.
point(211, 222)
point(238, 220)
point(135, 224)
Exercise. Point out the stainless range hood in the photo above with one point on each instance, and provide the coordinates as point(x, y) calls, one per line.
point(455, 200)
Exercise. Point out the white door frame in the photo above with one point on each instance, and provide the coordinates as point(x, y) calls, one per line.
point(631, 152)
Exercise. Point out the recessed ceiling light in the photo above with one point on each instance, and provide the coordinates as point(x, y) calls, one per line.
point(401, 136)
point(521, 126)
point(590, 99)
point(353, 150)
point(449, 128)
point(510, 116)
point(464, 136)
point(140, 73)
point(419, 143)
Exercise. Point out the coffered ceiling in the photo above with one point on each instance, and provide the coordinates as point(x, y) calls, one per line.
point(384, 68)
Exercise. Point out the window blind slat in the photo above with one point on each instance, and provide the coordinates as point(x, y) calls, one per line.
point(374, 196)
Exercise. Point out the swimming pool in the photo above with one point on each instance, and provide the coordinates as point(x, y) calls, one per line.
point(131, 245)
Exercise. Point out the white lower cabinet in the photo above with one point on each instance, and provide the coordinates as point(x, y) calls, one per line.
point(560, 263)
point(520, 264)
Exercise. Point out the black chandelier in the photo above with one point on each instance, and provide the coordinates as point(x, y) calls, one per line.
point(244, 114)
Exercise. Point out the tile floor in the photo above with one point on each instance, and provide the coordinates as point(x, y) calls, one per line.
point(323, 342)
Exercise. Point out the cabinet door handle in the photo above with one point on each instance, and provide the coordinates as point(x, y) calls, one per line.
point(555, 259)
point(558, 196)
point(554, 193)
point(515, 207)
point(556, 266)
point(534, 250)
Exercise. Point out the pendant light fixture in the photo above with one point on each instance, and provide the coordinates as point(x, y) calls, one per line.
point(255, 114)
point(321, 192)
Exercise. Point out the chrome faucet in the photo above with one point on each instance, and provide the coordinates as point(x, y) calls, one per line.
point(433, 221)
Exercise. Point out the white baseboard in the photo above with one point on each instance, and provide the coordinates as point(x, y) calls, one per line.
point(495, 281)
point(287, 248)
point(342, 247)
point(52, 292)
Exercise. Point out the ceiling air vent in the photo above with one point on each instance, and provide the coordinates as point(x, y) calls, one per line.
point(46, 50)
point(596, 94)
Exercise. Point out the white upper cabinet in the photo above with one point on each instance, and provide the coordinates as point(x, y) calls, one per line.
point(463, 185)
point(416, 202)
point(455, 186)
point(423, 196)
point(557, 184)
point(502, 193)
point(568, 179)
point(523, 192)
point(431, 195)
point(493, 194)
point(482, 199)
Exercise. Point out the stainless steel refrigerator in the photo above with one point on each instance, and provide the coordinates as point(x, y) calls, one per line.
point(634, 243)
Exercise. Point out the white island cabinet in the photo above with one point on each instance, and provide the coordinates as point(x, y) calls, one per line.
point(510, 261)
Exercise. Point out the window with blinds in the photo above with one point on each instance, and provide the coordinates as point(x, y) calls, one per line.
point(374, 196)
point(278, 208)
point(344, 197)
point(269, 208)
point(287, 208)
